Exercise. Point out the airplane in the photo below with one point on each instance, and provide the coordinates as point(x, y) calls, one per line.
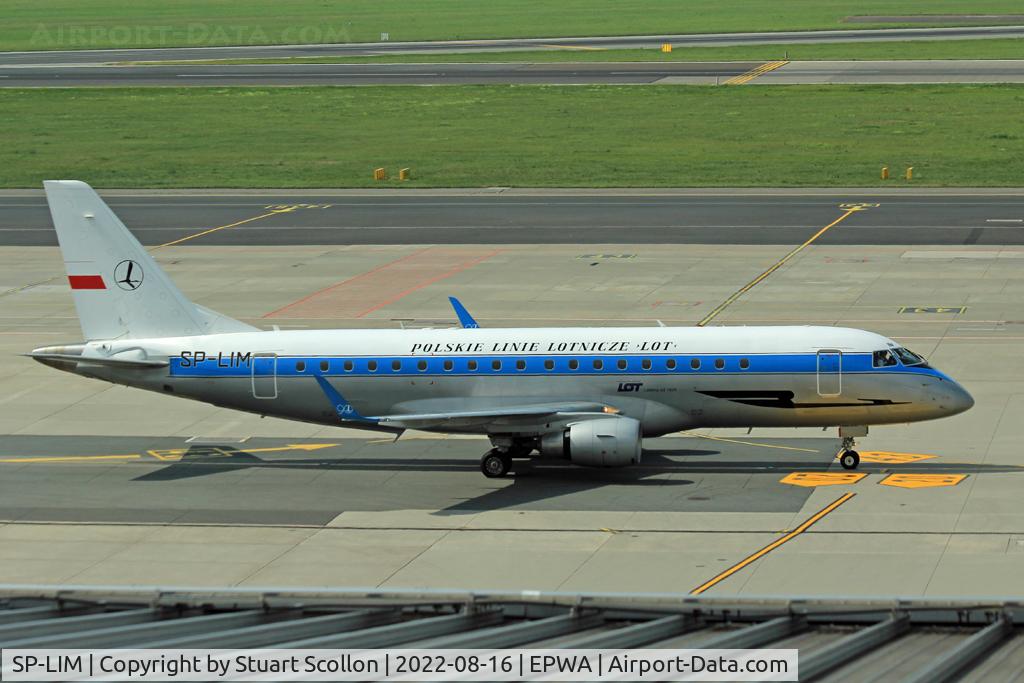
point(585, 395)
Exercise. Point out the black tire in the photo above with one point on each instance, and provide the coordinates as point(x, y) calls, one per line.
point(849, 460)
point(495, 465)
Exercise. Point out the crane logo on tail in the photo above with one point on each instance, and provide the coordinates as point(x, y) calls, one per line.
point(128, 275)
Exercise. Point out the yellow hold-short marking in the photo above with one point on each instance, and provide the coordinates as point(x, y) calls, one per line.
point(922, 481)
point(815, 479)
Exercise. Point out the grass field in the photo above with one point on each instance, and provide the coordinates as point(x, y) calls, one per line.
point(1006, 48)
point(70, 24)
point(587, 136)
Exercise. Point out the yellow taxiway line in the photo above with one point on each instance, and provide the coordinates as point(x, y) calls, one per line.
point(816, 517)
point(178, 453)
point(287, 209)
point(778, 264)
point(168, 454)
point(72, 458)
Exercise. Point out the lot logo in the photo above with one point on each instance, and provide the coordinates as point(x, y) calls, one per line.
point(630, 386)
point(128, 275)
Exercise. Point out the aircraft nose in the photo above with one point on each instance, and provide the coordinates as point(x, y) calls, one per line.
point(946, 397)
point(959, 400)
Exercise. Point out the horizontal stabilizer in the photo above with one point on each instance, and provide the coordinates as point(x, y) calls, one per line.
point(108, 362)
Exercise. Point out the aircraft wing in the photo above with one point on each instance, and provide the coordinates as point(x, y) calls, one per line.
point(503, 415)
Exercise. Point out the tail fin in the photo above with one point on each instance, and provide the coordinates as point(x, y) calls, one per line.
point(119, 290)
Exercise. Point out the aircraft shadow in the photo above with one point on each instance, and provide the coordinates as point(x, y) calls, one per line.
point(546, 480)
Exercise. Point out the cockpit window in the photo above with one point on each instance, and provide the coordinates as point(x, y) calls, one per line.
point(908, 357)
point(882, 359)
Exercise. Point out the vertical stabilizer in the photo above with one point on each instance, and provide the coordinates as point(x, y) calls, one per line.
point(118, 289)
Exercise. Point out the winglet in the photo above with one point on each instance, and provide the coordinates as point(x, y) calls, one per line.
point(465, 319)
point(346, 412)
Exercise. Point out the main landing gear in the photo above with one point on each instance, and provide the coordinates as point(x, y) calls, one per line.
point(849, 458)
point(497, 461)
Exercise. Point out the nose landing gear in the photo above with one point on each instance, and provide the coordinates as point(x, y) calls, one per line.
point(849, 460)
point(848, 457)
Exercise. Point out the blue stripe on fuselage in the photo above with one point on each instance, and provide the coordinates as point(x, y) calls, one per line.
point(289, 366)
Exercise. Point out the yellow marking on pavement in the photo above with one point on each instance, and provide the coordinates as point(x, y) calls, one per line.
point(922, 481)
point(287, 209)
point(893, 458)
point(754, 443)
point(813, 479)
point(755, 72)
point(218, 451)
point(30, 285)
point(282, 207)
point(778, 264)
point(956, 310)
point(807, 524)
point(70, 458)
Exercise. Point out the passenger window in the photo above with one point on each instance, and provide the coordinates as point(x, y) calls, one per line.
point(448, 365)
point(744, 363)
point(695, 363)
point(300, 366)
point(348, 366)
point(574, 364)
point(471, 365)
point(883, 359)
point(598, 364)
point(496, 365)
point(396, 365)
point(670, 364)
point(549, 364)
point(719, 363)
point(622, 364)
point(646, 364)
point(520, 365)
point(421, 366)
point(372, 366)
point(324, 366)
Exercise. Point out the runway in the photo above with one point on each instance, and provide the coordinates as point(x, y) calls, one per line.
point(606, 42)
point(580, 73)
point(309, 217)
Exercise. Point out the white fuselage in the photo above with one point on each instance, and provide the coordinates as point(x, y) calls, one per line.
point(667, 378)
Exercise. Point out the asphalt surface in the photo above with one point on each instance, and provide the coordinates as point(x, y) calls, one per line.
point(623, 73)
point(600, 218)
point(224, 483)
point(362, 49)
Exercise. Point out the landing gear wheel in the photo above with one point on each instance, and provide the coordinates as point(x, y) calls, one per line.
point(495, 464)
point(849, 460)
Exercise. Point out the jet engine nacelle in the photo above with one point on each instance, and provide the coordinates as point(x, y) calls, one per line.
point(608, 442)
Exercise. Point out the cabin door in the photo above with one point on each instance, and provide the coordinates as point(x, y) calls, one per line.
point(830, 372)
point(264, 375)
